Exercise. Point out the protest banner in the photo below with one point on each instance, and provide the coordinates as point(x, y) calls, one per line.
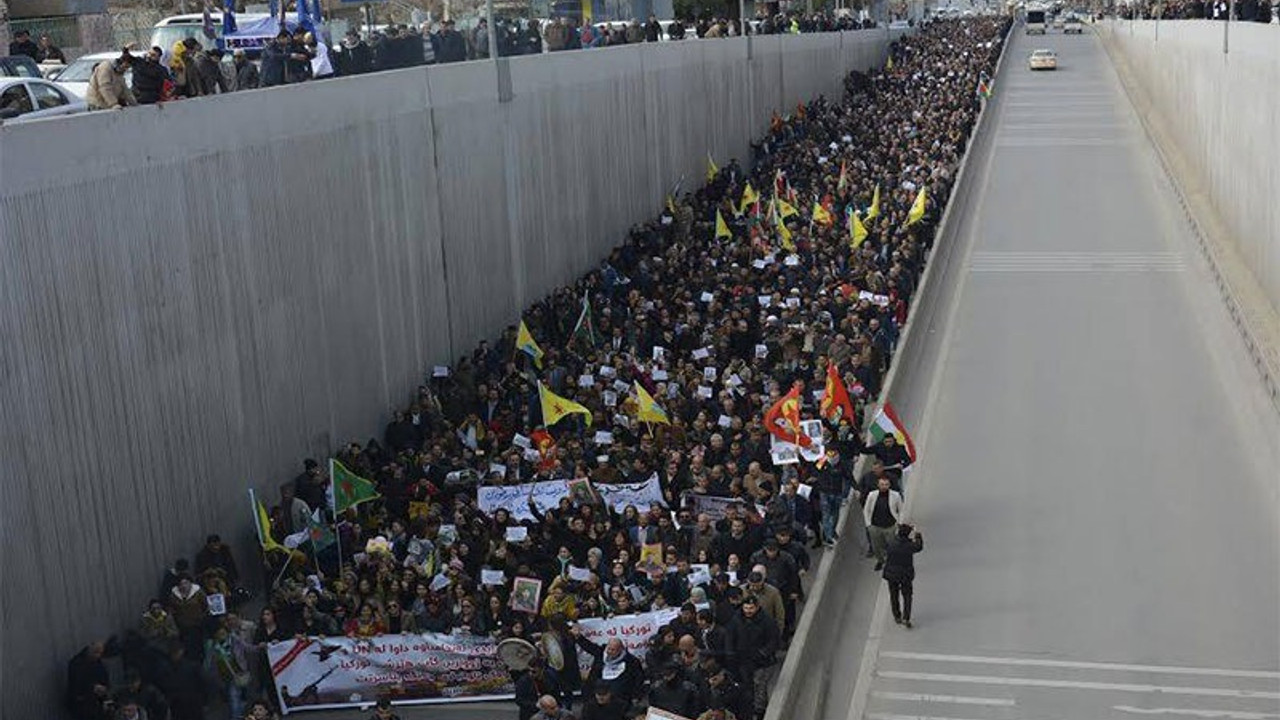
point(515, 498)
point(633, 630)
point(333, 673)
point(712, 505)
point(619, 495)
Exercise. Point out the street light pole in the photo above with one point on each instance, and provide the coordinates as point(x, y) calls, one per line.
point(493, 31)
point(1226, 26)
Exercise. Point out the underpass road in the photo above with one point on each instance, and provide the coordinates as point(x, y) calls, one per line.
point(1098, 484)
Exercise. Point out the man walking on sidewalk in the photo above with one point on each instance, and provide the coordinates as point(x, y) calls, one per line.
point(882, 511)
point(900, 571)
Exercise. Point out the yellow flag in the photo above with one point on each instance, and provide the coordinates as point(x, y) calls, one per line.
point(889, 63)
point(820, 214)
point(671, 205)
point(268, 543)
point(785, 235)
point(749, 196)
point(857, 231)
point(712, 170)
point(874, 211)
point(786, 209)
point(647, 409)
point(722, 228)
point(555, 407)
point(526, 343)
point(917, 208)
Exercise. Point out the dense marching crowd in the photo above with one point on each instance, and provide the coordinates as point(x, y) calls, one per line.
point(190, 70)
point(717, 329)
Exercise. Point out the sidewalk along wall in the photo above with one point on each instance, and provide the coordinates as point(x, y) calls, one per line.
point(1223, 115)
point(199, 295)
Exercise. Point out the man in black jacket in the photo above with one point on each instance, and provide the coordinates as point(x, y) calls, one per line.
point(615, 668)
point(755, 645)
point(671, 692)
point(652, 30)
point(900, 571)
point(149, 76)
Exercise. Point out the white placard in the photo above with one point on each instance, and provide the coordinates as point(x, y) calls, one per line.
point(517, 533)
point(603, 437)
point(498, 468)
point(659, 353)
point(709, 374)
point(620, 386)
point(725, 421)
point(578, 574)
point(791, 260)
point(492, 577)
point(666, 219)
point(217, 603)
point(733, 577)
point(793, 302)
point(586, 381)
point(610, 398)
point(758, 264)
point(762, 351)
point(764, 300)
point(521, 441)
point(439, 582)
point(804, 491)
point(707, 297)
point(701, 354)
point(532, 455)
point(701, 577)
point(734, 380)
point(440, 371)
point(705, 392)
point(660, 375)
point(608, 371)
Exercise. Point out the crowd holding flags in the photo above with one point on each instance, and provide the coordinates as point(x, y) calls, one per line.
point(526, 344)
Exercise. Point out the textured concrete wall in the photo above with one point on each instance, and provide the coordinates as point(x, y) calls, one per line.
point(193, 297)
point(1223, 112)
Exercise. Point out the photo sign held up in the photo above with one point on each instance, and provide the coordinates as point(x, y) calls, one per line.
point(785, 453)
point(546, 496)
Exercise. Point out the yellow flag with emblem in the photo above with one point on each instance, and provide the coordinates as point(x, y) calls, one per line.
point(647, 409)
point(526, 344)
point(917, 208)
point(712, 170)
point(722, 228)
point(554, 407)
point(857, 231)
point(873, 212)
point(749, 196)
point(820, 214)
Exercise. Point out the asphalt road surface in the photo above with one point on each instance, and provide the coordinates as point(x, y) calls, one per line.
point(1098, 484)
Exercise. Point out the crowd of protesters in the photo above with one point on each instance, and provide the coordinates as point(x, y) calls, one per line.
point(188, 69)
point(1259, 11)
point(716, 329)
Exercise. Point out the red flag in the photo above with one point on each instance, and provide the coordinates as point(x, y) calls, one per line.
point(835, 404)
point(546, 445)
point(783, 419)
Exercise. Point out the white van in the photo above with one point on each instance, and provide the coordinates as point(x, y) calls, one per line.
point(1035, 22)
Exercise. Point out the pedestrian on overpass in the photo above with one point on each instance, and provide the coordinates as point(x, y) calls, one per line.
point(882, 512)
point(900, 571)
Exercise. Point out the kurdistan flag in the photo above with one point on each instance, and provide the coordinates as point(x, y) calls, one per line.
point(885, 423)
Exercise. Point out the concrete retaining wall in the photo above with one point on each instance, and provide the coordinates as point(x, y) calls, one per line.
point(194, 297)
point(1223, 113)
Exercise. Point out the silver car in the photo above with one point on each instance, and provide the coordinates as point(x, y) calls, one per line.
point(33, 98)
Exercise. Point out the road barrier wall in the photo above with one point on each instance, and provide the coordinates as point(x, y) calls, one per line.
point(198, 295)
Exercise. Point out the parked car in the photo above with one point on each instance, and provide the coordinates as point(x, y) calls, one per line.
point(19, 66)
point(25, 98)
point(75, 76)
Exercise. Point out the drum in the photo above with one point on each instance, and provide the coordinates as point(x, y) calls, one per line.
point(552, 651)
point(517, 654)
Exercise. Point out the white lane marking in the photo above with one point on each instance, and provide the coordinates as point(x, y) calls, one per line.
point(1196, 712)
point(1079, 685)
point(949, 699)
point(891, 716)
point(1079, 665)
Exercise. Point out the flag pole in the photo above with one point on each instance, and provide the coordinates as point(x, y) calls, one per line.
point(333, 504)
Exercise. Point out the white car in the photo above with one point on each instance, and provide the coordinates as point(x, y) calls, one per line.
point(75, 76)
point(1043, 59)
point(32, 98)
point(1072, 25)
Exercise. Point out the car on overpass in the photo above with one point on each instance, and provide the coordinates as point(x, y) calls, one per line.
point(25, 98)
point(1043, 59)
point(1072, 25)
